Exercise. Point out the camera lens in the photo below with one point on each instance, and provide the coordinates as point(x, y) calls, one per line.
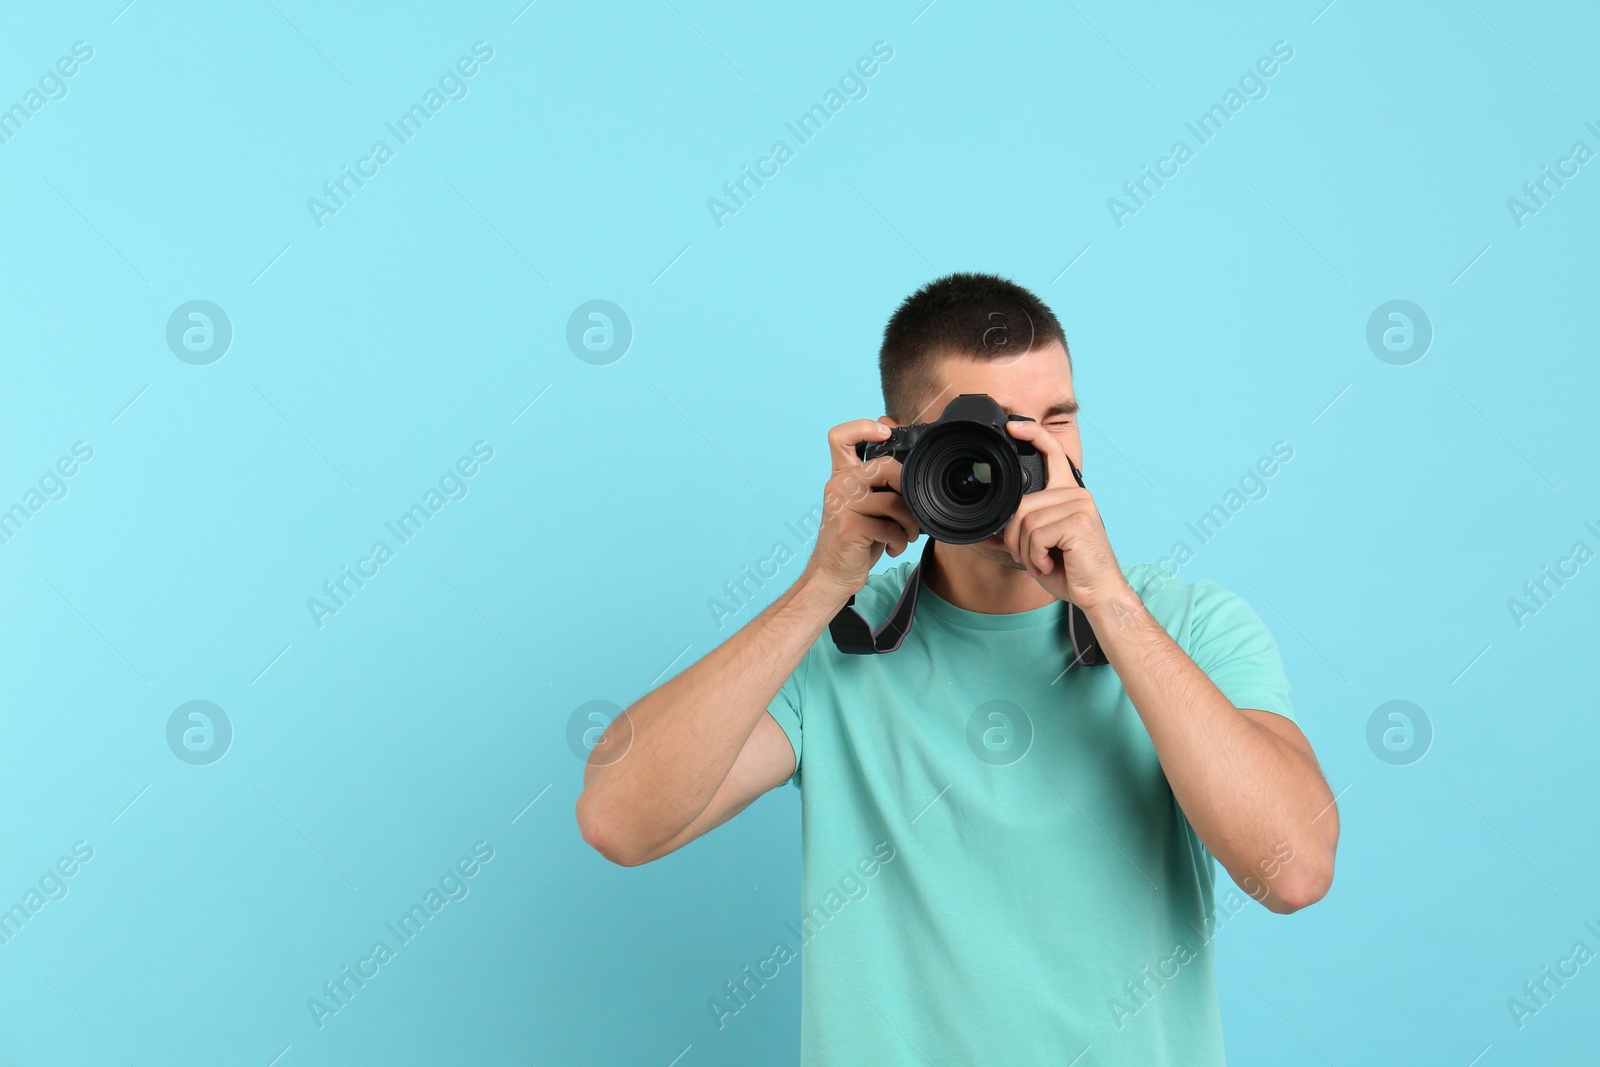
point(967, 480)
point(962, 482)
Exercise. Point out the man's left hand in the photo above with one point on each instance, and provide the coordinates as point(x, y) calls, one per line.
point(1057, 534)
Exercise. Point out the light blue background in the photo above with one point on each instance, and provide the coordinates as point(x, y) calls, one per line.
point(369, 354)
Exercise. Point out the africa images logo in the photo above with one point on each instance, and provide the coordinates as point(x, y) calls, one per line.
point(452, 85)
point(453, 885)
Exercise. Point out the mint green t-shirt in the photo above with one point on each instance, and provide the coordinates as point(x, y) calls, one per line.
point(995, 870)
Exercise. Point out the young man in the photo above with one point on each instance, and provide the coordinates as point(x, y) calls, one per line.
point(1008, 853)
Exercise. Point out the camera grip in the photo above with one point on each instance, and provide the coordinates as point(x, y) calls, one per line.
point(1035, 470)
point(894, 448)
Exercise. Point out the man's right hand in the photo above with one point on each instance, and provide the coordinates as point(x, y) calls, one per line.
point(857, 523)
point(703, 745)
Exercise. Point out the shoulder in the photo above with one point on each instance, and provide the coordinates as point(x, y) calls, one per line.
point(1219, 630)
point(1189, 609)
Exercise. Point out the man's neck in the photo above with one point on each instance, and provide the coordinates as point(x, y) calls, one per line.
point(961, 577)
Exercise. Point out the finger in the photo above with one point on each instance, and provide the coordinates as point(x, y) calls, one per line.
point(1023, 531)
point(1030, 549)
point(881, 531)
point(1059, 468)
point(1035, 544)
point(1047, 500)
point(853, 484)
point(1040, 541)
point(892, 507)
point(842, 440)
point(880, 473)
point(1062, 532)
point(1012, 535)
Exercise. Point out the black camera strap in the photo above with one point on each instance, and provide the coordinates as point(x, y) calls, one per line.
point(852, 634)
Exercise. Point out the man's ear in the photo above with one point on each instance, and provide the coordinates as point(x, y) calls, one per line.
point(888, 421)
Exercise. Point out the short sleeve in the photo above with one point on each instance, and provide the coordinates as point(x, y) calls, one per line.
point(787, 709)
point(1230, 643)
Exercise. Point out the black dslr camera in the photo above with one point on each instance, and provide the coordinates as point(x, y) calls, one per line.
point(963, 475)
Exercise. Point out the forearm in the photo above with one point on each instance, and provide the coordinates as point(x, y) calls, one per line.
point(687, 734)
point(1258, 802)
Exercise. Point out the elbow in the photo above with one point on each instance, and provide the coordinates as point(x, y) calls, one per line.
point(1301, 891)
point(602, 833)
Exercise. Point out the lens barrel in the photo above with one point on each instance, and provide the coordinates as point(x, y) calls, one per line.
point(962, 482)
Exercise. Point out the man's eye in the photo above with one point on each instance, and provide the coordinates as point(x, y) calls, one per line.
point(1058, 424)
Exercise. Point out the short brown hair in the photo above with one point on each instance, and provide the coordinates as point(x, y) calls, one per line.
point(983, 316)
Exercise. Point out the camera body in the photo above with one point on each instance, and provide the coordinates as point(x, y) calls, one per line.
point(963, 474)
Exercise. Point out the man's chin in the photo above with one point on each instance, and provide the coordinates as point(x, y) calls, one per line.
point(1000, 554)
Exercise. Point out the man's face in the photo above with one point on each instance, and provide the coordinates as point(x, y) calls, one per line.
point(1037, 384)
